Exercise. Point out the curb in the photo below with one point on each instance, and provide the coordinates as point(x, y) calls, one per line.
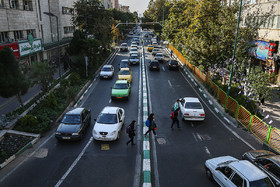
point(30, 144)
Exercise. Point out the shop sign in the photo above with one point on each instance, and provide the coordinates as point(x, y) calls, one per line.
point(14, 47)
point(263, 50)
point(27, 47)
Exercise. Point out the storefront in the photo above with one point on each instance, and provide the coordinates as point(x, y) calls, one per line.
point(266, 53)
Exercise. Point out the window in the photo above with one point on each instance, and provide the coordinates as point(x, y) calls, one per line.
point(1, 4)
point(31, 31)
point(27, 5)
point(3, 37)
point(68, 30)
point(278, 22)
point(14, 4)
point(237, 180)
point(18, 35)
point(66, 10)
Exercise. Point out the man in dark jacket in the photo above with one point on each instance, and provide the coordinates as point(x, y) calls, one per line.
point(131, 133)
point(175, 118)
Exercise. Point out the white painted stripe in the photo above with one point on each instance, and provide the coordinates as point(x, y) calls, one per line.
point(226, 119)
point(146, 145)
point(146, 165)
point(216, 110)
point(110, 100)
point(194, 137)
point(195, 84)
point(74, 163)
point(145, 109)
point(192, 125)
point(147, 185)
point(207, 151)
point(211, 103)
point(200, 89)
point(169, 83)
point(145, 94)
point(199, 137)
point(191, 79)
point(205, 95)
point(163, 68)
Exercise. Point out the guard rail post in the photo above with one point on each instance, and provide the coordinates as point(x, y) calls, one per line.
point(250, 123)
point(268, 134)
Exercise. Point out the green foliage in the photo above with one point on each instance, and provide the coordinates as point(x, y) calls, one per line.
point(51, 100)
point(74, 78)
point(28, 122)
point(41, 73)
point(12, 81)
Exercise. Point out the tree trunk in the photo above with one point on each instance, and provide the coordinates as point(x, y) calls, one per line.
point(19, 99)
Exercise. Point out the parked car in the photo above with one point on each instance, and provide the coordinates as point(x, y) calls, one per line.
point(150, 48)
point(155, 51)
point(159, 57)
point(191, 109)
point(108, 124)
point(267, 161)
point(231, 172)
point(121, 89)
point(73, 124)
point(154, 65)
point(107, 71)
point(124, 63)
point(124, 47)
point(125, 74)
point(134, 59)
point(173, 64)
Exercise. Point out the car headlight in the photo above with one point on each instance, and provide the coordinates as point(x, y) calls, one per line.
point(94, 132)
point(75, 134)
point(58, 133)
point(114, 132)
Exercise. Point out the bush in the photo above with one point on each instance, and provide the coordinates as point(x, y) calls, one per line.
point(74, 78)
point(51, 100)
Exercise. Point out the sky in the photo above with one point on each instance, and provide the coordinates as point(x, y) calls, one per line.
point(136, 5)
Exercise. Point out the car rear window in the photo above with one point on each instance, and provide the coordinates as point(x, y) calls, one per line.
point(263, 183)
point(107, 118)
point(71, 119)
point(120, 86)
point(193, 105)
point(106, 69)
point(154, 63)
point(134, 57)
point(124, 72)
point(124, 45)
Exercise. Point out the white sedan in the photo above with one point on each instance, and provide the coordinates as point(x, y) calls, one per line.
point(231, 172)
point(109, 124)
point(191, 109)
point(107, 71)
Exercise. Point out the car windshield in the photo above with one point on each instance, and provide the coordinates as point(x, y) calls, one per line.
point(124, 45)
point(133, 57)
point(107, 118)
point(133, 49)
point(71, 119)
point(106, 69)
point(173, 62)
point(261, 183)
point(193, 105)
point(154, 63)
point(124, 72)
point(156, 49)
point(120, 86)
point(158, 55)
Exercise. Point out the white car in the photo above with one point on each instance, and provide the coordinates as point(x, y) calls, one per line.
point(134, 59)
point(159, 56)
point(108, 124)
point(134, 46)
point(231, 172)
point(124, 47)
point(191, 109)
point(107, 71)
point(133, 51)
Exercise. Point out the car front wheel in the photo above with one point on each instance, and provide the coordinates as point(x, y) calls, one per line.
point(208, 174)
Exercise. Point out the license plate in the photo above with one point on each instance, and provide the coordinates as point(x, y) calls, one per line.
point(154, 67)
point(105, 76)
point(66, 138)
point(103, 136)
point(174, 65)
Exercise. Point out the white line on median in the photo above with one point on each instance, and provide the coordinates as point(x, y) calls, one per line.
point(169, 83)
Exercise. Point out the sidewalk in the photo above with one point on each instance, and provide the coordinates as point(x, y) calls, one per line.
point(271, 109)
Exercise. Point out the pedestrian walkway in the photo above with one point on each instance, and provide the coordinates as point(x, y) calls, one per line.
point(271, 109)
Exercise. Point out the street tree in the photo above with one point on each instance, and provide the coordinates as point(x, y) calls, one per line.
point(41, 73)
point(12, 80)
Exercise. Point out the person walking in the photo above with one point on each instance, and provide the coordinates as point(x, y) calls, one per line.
point(175, 118)
point(131, 132)
point(171, 53)
point(152, 125)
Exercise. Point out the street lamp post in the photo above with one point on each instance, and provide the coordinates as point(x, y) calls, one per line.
point(233, 57)
point(58, 49)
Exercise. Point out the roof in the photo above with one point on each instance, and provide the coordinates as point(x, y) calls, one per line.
point(124, 69)
point(107, 66)
point(124, 60)
point(75, 111)
point(110, 110)
point(124, 44)
point(248, 170)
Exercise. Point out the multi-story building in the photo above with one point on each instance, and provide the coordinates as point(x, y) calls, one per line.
point(124, 8)
point(115, 4)
point(107, 4)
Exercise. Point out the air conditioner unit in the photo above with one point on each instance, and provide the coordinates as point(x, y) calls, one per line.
point(26, 7)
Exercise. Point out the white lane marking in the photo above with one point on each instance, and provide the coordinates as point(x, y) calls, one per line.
point(163, 68)
point(110, 100)
point(205, 95)
point(192, 125)
point(216, 110)
point(200, 89)
point(199, 137)
point(194, 137)
point(169, 83)
point(207, 151)
point(229, 129)
point(211, 103)
point(226, 119)
point(146, 165)
point(73, 164)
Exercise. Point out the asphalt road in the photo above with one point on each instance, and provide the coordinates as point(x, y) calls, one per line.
point(179, 153)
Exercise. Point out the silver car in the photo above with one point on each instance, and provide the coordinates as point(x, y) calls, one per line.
point(106, 72)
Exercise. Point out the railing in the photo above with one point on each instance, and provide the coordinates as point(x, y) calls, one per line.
point(252, 123)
